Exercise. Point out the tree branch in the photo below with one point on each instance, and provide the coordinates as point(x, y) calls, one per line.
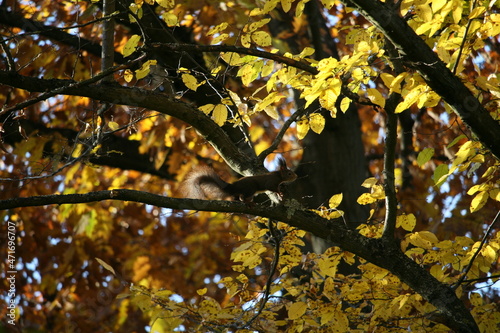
point(174, 47)
point(391, 204)
point(152, 100)
point(55, 33)
point(377, 251)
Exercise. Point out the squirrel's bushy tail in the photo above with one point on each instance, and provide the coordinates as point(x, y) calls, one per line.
point(203, 183)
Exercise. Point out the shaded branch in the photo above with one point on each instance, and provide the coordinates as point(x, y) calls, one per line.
point(236, 49)
point(70, 85)
point(55, 33)
point(116, 94)
point(377, 251)
point(391, 203)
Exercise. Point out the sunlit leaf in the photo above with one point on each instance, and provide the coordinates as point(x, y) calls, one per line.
point(296, 310)
point(335, 200)
point(317, 122)
point(302, 128)
point(478, 201)
point(220, 114)
point(131, 45)
point(407, 222)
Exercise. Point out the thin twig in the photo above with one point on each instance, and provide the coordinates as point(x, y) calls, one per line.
point(262, 156)
point(483, 241)
point(274, 266)
point(462, 45)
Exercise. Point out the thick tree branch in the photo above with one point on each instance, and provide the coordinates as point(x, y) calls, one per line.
point(419, 56)
point(377, 251)
point(170, 47)
point(165, 104)
point(391, 204)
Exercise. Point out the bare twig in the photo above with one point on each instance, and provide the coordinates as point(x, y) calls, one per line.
point(262, 156)
point(483, 241)
point(462, 45)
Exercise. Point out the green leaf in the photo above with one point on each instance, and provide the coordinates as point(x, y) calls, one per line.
point(440, 174)
point(424, 156)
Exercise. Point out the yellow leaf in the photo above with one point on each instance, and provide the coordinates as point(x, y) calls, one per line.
point(128, 75)
point(256, 25)
point(233, 59)
point(328, 265)
point(261, 38)
point(168, 4)
point(358, 74)
point(267, 68)
point(377, 191)
point(307, 51)
point(369, 182)
point(428, 99)
point(395, 85)
point(300, 8)
point(296, 310)
point(376, 97)
point(302, 128)
point(220, 38)
point(272, 112)
point(171, 19)
point(366, 199)
point(407, 222)
point(207, 108)
point(145, 69)
point(201, 292)
point(328, 98)
point(478, 201)
point(423, 239)
point(476, 299)
point(190, 81)
point(131, 45)
point(286, 5)
point(409, 99)
point(476, 12)
point(495, 194)
point(335, 200)
point(317, 122)
point(341, 321)
point(220, 114)
point(113, 125)
point(344, 104)
point(218, 28)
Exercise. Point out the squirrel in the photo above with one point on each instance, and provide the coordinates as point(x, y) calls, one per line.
point(204, 183)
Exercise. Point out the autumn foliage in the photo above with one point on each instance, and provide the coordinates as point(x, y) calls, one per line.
point(387, 111)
